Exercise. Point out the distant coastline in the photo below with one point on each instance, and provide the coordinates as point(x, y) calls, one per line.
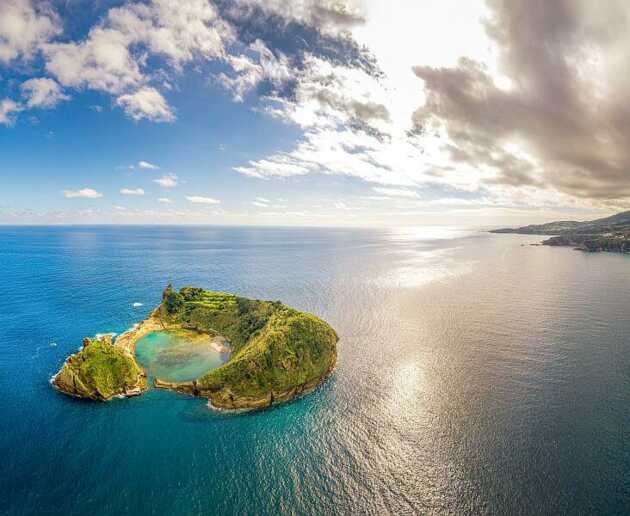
point(609, 234)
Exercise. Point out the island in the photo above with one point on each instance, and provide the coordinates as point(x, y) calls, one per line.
point(276, 353)
point(610, 234)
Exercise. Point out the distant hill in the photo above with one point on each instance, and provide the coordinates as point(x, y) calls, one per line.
point(605, 234)
point(568, 226)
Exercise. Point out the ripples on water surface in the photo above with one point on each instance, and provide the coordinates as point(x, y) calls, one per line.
point(475, 376)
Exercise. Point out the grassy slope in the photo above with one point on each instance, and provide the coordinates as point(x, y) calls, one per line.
point(99, 371)
point(275, 347)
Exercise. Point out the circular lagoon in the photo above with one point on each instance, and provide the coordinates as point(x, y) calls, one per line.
point(181, 356)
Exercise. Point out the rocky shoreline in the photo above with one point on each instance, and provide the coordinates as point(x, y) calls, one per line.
point(225, 399)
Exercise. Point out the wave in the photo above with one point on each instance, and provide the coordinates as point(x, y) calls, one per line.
point(101, 335)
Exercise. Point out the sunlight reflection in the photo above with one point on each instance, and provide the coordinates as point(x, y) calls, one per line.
point(420, 267)
point(408, 380)
point(427, 233)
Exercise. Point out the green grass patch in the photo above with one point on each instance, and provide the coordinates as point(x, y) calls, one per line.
point(275, 347)
point(99, 371)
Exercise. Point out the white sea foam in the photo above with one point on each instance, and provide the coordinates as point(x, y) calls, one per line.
point(101, 335)
point(228, 411)
point(212, 407)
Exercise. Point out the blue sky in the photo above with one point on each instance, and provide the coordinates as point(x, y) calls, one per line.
point(262, 112)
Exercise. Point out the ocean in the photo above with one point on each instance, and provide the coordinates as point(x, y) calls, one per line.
point(476, 375)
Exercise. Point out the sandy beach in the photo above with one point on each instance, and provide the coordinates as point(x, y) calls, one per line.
point(128, 340)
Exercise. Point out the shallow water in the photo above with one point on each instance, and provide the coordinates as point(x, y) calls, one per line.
point(474, 376)
point(175, 358)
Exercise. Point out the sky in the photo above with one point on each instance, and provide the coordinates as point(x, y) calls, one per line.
point(313, 112)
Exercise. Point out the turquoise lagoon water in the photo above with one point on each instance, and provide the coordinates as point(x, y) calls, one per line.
point(170, 357)
point(475, 376)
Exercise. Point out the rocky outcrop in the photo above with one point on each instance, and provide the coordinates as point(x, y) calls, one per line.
point(226, 399)
point(100, 371)
point(610, 242)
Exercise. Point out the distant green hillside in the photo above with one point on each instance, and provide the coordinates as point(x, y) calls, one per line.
point(605, 234)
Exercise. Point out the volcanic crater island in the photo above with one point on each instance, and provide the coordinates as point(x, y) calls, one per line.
point(242, 353)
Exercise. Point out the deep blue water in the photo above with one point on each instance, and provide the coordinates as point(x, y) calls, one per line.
point(475, 375)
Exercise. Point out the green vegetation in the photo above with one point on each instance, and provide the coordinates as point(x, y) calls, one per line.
point(276, 349)
point(236, 318)
point(100, 371)
point(292, 349)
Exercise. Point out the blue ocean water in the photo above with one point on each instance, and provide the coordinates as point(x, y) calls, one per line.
point(475, 376)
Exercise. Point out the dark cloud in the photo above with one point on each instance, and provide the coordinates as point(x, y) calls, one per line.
point(336, 14)
point(569, 106)
point(363, 111)
point(295, 37)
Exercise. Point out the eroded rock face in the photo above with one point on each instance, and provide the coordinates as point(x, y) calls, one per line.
point(100, 371)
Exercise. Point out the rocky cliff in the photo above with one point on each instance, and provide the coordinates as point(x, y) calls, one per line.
point(100, 371)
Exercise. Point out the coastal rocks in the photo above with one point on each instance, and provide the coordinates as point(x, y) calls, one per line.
point(100, 371)
point(225, 398)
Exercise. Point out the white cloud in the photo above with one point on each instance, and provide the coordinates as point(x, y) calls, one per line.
point(263, 200)
point(330, 16)
point(165, 200)
point(113, 56)
point(147, 102)
point(248, 75)
point(134, 191)
point(177, 30)
point(167, 181)
point(7, 109)
point(147, 165)
point(42, 93)
point(101, 62)
point(87, 193)
point(24, 28)
point(396, 192)
point(278, 165)
point(340, 205)
point(260, 204)
point(198, 199)
point(248, 72)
